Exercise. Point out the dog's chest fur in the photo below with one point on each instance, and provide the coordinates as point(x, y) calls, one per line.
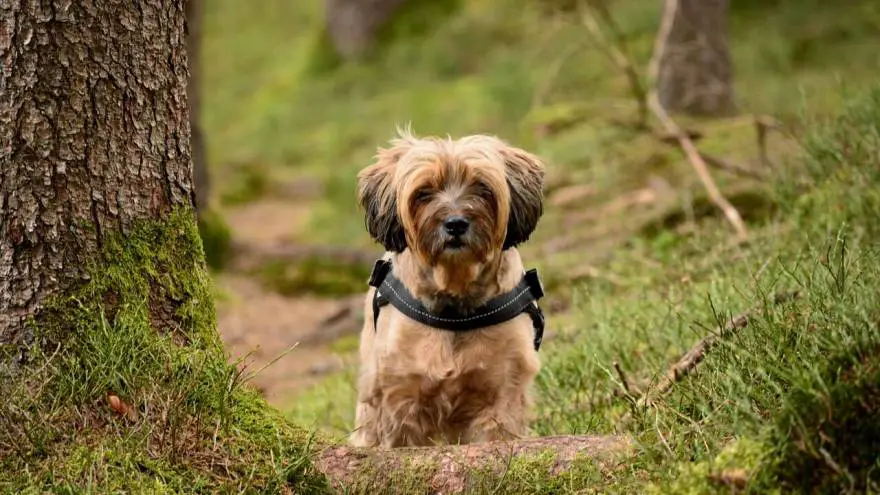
point(440, 380)
point(443, 380)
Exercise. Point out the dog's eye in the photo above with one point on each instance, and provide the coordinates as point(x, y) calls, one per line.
point(422, 195)
point(485, 192)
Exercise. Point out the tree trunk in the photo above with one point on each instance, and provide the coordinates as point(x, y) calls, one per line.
point(353, 24)
point(201, 178)
point(94, 137)
point(694, 73)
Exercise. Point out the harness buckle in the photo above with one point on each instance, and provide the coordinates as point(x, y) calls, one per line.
point(380, 270)
point(534, 283)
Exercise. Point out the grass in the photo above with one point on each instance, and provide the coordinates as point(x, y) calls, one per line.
point(187, 422)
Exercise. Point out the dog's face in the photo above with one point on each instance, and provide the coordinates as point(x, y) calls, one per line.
point(452, 201)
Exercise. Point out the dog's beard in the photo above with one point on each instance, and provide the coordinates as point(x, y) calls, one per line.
point(441, 248)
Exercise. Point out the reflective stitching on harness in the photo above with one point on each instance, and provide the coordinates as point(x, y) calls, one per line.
point(428, 315)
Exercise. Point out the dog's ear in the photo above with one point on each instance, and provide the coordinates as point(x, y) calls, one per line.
point(377, 195)
point(525, 178)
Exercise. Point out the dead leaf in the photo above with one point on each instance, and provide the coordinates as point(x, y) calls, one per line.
point(120, 407)
point(735, 478)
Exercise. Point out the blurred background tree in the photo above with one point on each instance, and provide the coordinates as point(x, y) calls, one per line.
point(354, 24)
point(695, 74)
point(201, 174)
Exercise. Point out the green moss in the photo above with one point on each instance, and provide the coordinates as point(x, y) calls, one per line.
point(143, 329)
point(536, 474)
point(730, 470)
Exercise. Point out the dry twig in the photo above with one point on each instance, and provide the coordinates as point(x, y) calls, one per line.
point(689, 361)
point(720, 163)
point(732, 167)
point(587, 271)
point(619, 54)
point(347, 319)
point(620, 374)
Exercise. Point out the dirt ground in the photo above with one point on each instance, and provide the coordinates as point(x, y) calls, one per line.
point(260, 324)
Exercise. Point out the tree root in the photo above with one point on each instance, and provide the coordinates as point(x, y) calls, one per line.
point(448, 469)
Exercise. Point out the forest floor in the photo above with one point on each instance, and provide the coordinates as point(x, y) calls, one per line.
point(266, 327)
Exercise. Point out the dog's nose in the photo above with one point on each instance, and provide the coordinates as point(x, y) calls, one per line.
point(456, 225)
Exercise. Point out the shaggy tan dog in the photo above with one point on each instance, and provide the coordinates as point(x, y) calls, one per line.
point(449, 213)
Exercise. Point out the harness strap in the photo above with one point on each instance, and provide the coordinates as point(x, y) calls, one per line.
point(522, 299)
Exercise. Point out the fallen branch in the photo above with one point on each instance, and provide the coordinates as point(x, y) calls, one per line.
point(699, 166)
point(346, 320)
point(714, 161)
point(623, 380)
point(572, 195)
point(732, 167)
point(585, 271)
point(669, 138)
point(650, 100)
point(687, 145)
point(447, 469)
point(249, 256)
point(689, 361)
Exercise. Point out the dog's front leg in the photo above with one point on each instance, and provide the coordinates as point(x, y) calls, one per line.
point(366, 422)
point(366, 426)
point(497, 424)
point(508, 418)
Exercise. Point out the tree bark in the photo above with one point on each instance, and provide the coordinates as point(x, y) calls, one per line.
point(694, 74)
point(201, 177)
point(94, 136)
point(353, 24)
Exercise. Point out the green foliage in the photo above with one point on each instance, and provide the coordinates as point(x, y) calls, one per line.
point(316, 275)
point(185, 410)
point(248, 182)
point(498, 66)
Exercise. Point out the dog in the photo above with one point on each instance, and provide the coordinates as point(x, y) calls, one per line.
point(449, 214)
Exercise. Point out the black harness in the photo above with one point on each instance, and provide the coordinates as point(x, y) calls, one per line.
point(522, 299)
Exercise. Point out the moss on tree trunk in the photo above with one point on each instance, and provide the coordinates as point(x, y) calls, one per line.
point(125, 385)
point(94, 137)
